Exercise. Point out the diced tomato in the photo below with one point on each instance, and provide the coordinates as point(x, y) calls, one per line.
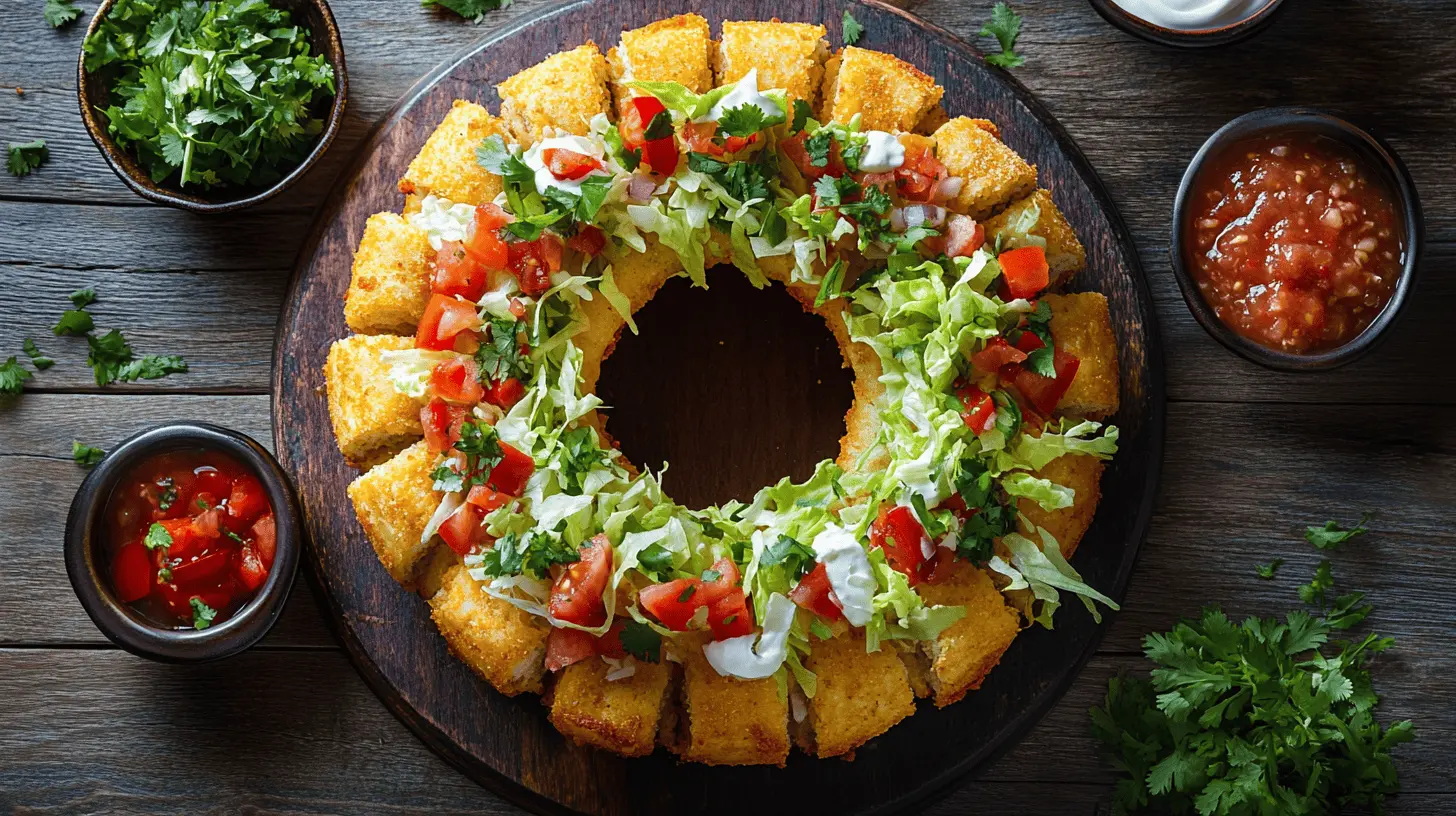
point(506, 393)
point(185, 540)
point(672, 603)
point(528, 264)
point(207, 482)
point(131, 572)
point(247, 499)
point(610, 644)
point(462, 530)
point(729, 615)
point(567, 646)
point(179, 598)
point(445, 317)
point(698, 136)
point(635, 114)
point(794, 151)
point(569, 165)
point(899, 534)
point(661, 155)
point(980, 410)
point(733, 144)
point(884, 181)
point(1028, 342)
point(442, 423)
point(207, 524)
point(963, 236)
point(941, 566)
point(199, 570)
point(457, 380)
point(996, 354)
point(490, 216)
point(919, 177)
point(514, 469)
point(588, 240)
point(711, 591)
point(458, 273)
point(1026, 270)
point(265, 539)
point(576, 597)
point(1045, 392)
point(518, 308)
point(487, 498)
point(248, 566)
point(815, 594)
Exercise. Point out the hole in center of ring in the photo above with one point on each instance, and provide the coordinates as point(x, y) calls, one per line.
point(734, 387)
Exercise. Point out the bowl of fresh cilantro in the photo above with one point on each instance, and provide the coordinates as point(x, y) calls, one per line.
point(212, 105)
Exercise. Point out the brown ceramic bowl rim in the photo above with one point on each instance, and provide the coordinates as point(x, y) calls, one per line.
point(125, 627)
point(1187, 38)
point(126, 168)
point(1381, 158)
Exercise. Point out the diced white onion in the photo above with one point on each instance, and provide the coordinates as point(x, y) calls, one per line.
point(948, 188)
point(640, 189)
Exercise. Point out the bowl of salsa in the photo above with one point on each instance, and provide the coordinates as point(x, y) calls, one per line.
point(183, 543)
point(1295, 238)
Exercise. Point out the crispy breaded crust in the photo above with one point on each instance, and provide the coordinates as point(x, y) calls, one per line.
point(564, 91)
point(391, 278)
point(1065, 255)
point(729, 721)
point(887, 92)
point(1082, 474)
point(671, 50)
point(446, 165)
point(506, 646)
point(638, 276)
point(993, 174)
point(1082, 327)
point(860, 695)
point(964, 653)
point(618, 715)
point(787, 55)
point(394, 502)
point(367, 413)
point(932, 120)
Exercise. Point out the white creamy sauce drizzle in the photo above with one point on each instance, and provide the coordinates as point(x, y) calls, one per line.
point(850, 574)
point(544, 178)
point(443, 220)
point(1192, 15)
point(754, 657)
point(883, 152)
point(745, 92)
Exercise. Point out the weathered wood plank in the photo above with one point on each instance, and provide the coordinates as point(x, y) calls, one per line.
point(38, 478)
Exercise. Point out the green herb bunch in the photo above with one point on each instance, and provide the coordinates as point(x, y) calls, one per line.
point(216, 93)
point(1266, 716)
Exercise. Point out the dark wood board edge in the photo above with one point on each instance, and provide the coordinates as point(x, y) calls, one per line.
point(430, 732)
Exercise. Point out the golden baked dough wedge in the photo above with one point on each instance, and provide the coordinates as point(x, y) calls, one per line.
point(446, 165)
point(961, 656)
point(671, 50)
point(727, 721)
point(368, 414)
point(787, 55)
point(1081, 326)
point(887, 92)
point(992, 174)
point(505, 645)
point(1081, 473)
point(860, 694)
point(1065, 255)
point(390, 283)
point(618, 715)
point(394, 502)
point(564, 91)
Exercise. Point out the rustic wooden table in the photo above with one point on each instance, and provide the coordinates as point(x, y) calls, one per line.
point(1251, 455)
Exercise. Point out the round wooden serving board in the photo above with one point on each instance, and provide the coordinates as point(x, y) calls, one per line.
point(720, 383)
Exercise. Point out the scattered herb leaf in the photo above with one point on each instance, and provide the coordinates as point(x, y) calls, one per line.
point(641, 641)
point(1331, 535)
point(850, 29)
point(472, 10)
point(60, 12)
point(26, 156)
point(1267, 571)
point(1005, 26)
point(12, 376)
point(40, 361)
point(87, 456)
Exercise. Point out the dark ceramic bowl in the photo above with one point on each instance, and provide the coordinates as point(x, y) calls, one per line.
point(1194, 38)
point(1379, 158)
point(129, 630)
point(94, 95)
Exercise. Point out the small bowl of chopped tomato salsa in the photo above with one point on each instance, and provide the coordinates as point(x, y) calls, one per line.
point(183, 543)
point(1295, 238)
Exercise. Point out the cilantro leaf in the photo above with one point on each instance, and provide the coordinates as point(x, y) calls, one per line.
point(447, 479)
point(472, 10)
point(202, 614)
point(112, 360)
point(655, 561)
point(87, 456)
point(81, 298)
point(493, 155)
point(797, 558)
point(60, 12)
point(26, 156)
point(12, 376)
point(990, 518)
point(660, 127)
point(501, 358)
point(73, 322)
point(533, 552)
point(850, 29)
point(40, 361)
point(157, 537)
point(481, 446)
point(744, 120)
point(1005, 26)
point(1331, 535)
point(641, 641)
point(819, 146)
point(802, 114)
point(1266, 571)
point(580, 455)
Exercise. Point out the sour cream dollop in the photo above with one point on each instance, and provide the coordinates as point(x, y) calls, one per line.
point(882, 153)
point(545, 180)
point(1192, 15)
point(850, 574)
point(745, 92)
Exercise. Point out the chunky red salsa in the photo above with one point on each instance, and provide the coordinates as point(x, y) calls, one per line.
point(191, 538)
point(1294, 242)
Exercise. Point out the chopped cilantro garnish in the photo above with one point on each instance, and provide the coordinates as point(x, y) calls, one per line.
point(12, 376)
point(1267, 571)
point(641, 641)
point(711, 575)
point(26, 156)
point(796, 557)
point(481, 446)
point(81, 298)
point(40, 361)
point(168, 495)
point(532, 552)
point(87, 456)
point(112, 360)
point(744, 120)
point(60, 12)
point(472, 10)
point(165, 575)
point(202, 614)
point(655, 561)
point(1005, 26)
point(493, 155)
point(687, 593)
point(819, 146)
point(802, 114)
point(1331, 534)
point(850, 29)
point(157, 536)
point(1042, 361)
point(501, 358)
point(990, 518)
point(447, 479)
point(659, 128)
point(580, 455)
point(73, 322)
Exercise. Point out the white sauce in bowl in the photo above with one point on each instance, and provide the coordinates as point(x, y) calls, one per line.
point(1192, 15)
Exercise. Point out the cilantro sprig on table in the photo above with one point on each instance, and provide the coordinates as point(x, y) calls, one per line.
point(60, 12)
point(850, 29)
point(472, 10)
point(24, 157)
point(1005, 26)
point(1262, 716)
point(87, 456)
point(219, 93)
